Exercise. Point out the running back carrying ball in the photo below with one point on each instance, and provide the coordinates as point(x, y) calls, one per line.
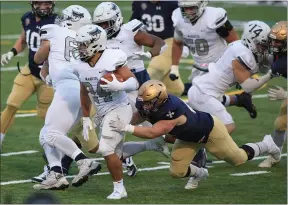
point(108, 76)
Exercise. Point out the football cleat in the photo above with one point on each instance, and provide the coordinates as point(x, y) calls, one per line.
point(245, 100)
point(128, 163)
point(116, 194)
point(194, 181)
point(53, 181)
point(268, 162)
point(273, 149)
point(87, 167)
point(42, 176)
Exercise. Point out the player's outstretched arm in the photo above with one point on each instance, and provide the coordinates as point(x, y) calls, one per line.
point(43, 52)
point(157, 45)
point(18, 47)
point(242, 76)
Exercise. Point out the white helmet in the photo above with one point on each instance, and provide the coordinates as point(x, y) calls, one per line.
point(255, 37)
point(192, 10)
point(74, 17)
point(90, 39)
point(108, 16)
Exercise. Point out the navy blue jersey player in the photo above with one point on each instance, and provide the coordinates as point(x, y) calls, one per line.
point(193, 130)
point(28, 80)
point(277, 39)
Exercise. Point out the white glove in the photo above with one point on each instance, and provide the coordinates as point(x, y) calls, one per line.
point(6, 57)
point(185, 52)
point(118, 126)
point(277, 94)
point(48, 80)
point(114, 85)
point(174, 72)
point(143, 55)
point(87, 126)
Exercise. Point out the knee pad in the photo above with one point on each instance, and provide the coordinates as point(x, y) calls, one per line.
point(42, 134)
point(176, 169)
point(50, 138)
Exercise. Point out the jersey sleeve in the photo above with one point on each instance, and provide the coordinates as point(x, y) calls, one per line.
point(217, 18)
point(134, 26)
point(25, 17)
point(135, 11)
point(119, 60)
point(279, 67)
point(247, 60)
point(47, 31)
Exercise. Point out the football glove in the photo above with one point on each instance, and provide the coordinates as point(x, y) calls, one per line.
point(277, 94)
point(114, 85)
point(144, 55)
point(6, 57)
point(87, 126)
point(174, 72)
point(118, 126)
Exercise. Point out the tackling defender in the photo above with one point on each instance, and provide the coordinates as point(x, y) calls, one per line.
point(130, 38)
point(277, 39)
point(193, 129)
point(28, 81)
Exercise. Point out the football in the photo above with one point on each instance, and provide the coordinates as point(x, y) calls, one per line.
point(108, 76)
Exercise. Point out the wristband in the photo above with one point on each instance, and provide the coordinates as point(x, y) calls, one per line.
point(14, 51)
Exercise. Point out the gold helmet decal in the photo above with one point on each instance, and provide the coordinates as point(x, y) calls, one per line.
point(278, 37)
point(152, 93)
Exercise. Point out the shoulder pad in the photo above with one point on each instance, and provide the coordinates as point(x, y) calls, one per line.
point(246, 58)
point(46, 31)
point(176, 16)
point(216, 17)
point(134, 26)
point(26, 15)
point(119, 59)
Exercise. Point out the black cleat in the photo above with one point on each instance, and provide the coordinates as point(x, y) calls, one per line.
point(245, 100)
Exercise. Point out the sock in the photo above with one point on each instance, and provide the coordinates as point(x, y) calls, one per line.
point(80, 156)
point(128, 161)
point(56, 169)
point(255, 149)
point(118, 185)
point(1, 138)
point(279, 137)
point(132, 148)
point(66, 163)
point(193, 171)
point(227, 101)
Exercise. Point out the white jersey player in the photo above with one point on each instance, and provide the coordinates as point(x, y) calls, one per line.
point(205, 30)
point(131, 39)
point(237, 64)
point(110, 99)
point(56, 45)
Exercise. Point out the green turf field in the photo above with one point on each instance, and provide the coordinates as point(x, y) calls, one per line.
point(153, 186)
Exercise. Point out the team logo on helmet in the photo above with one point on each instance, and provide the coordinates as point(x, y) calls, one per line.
point(114, 7)
point(95, 34)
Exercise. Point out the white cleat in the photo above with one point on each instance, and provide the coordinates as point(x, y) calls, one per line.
point(273, 149)
point(160, 145)
point(194, 181)
point(268, 162)
point(54, 181)
point(42, 176)
point(87, 167)
point(118, 194)
point(131, 167)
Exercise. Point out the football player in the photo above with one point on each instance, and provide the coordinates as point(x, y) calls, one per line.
point(156, 16)
point(277, 39)
point(193, 129)
point(130, 38)
point(109, 98)
point(28, 81)
point(237, 64)
point(57, 43)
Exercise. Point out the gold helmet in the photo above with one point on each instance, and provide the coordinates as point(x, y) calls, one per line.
point(152, 94)
point(277, 37)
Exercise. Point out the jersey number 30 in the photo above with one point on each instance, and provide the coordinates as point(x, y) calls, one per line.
point(154, 23)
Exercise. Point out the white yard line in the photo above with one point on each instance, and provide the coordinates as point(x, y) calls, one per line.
point(18, 153)
point(139, 170)
point(250, 173)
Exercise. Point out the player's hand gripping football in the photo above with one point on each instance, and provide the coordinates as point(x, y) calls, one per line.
point(114, 85)
point(277, 94)
point(6, 57)
point(87, 126)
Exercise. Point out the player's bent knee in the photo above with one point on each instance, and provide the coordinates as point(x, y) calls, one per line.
point(42, 136)
point(177, 173)
point(105, 149)
point(50, 138)
point(280, 123)
point(94, 149)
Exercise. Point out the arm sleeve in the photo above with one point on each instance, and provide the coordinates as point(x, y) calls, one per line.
point(134, 26)
point(218, 18)
point(46, 32)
